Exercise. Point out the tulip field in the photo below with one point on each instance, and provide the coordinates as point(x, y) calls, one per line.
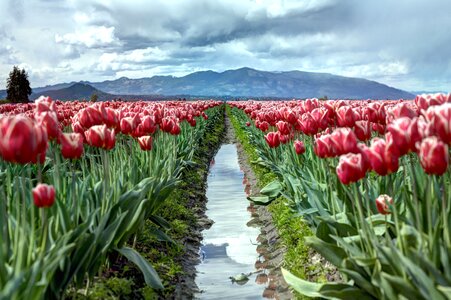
point(372, 180)
point(79, 180)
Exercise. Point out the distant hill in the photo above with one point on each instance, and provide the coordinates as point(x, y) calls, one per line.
point(244, 82)
point(73, 92)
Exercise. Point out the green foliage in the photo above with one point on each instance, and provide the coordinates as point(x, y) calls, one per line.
point(17, 86)
point(100, 206)
point(177, 211)
point(94, 98)
point(405, 254)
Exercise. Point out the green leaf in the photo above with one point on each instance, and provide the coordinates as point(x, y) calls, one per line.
point(272, 189)
point(150, 275)
point(445, 290)
point(331, 252)
point(160, 235)
point(160, 221)
point(327, 291)
point(263, 200)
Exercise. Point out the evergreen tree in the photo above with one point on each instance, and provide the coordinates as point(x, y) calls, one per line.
point(17, 86)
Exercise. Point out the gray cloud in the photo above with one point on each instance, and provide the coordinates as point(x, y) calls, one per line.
point(404, 43)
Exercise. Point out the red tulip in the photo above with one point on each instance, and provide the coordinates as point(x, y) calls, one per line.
point(129, 124)
point(22, 140)
point(345, 116)
point(145, 142)
point(362, 130)
point(423, 102)
point(71, 145)
point(382, 204)
point(307, 124)
point(401, 110)
point(383, 156)
point(434, 157)
point(148, 124)
point(283, 127)
point(264, 126)
point(248, 124)
point(440, 121)
point(299, 147)
point(175, 129)
point(322, 147)
point(291, 117)
point(343, 141)
point(405, 134)
point(111, 118)
point(89, 117)
point(44, 195)
point(284, 138)
point(49, 121)
point(166, 124)
point(351, 168)
point(273, 139)
point(44, 104)
point(321, 117)
point(100, 136)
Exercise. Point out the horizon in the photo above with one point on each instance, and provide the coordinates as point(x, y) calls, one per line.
point(105, 40)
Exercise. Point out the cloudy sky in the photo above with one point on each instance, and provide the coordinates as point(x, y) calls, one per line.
point(403, 43)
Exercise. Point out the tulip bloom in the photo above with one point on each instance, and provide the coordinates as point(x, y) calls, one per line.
point(111, 119)
point(145, 142)
point(434, 157)
point(89, 117)
point(322, 147)
point(22, 140)
point(383, 156)
point(263, 126)
point(351, 168)
point(401, 110)
point(440, 121)
point(49, 121)
point(273, 139)
point(100, 136)
point(283, 127)
point(307, 124)
point(299, 147)
point(345, 116)
point(343, 141)
point(129, 124)
point(175, 129)
point(362, 130)
point(71, 145)
point(43, 195)
point(44, 104)
point(382, 204)
point(167, 124)
point(405, 134)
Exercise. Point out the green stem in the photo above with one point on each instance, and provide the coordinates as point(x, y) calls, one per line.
point(415, 194)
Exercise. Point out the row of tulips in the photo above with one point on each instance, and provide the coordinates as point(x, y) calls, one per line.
point(372, 178)
point(78, 180)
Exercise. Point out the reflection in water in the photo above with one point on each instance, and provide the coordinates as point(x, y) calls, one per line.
point(229, 250)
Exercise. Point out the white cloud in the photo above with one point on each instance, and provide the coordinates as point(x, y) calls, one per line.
point(102, 39)
point(90, 37)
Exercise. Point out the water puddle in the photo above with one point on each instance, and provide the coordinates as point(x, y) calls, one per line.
point(231, 246)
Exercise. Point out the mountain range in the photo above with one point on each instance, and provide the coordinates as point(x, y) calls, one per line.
point(243, 83)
